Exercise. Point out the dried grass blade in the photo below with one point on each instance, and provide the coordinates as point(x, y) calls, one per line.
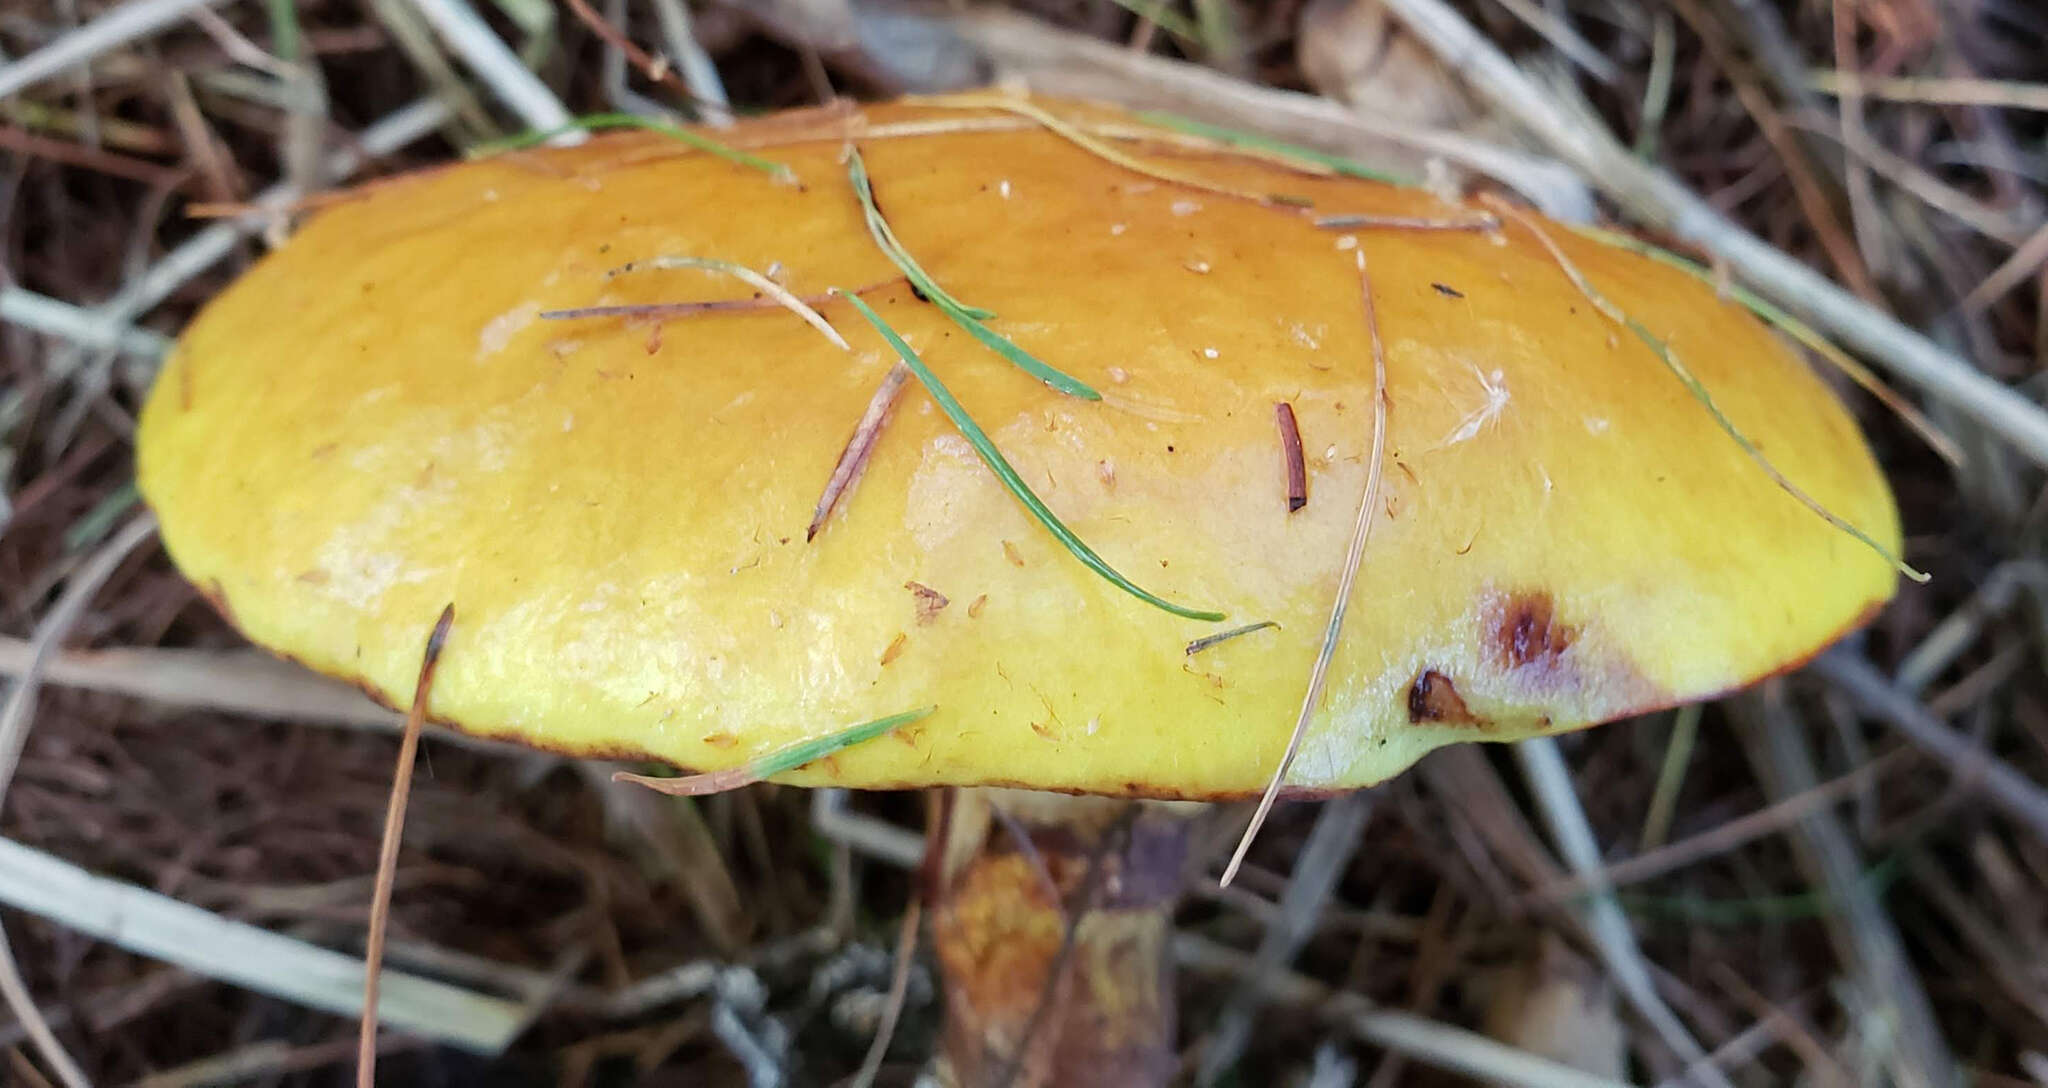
point(1075, 135)
point(1935, 438)
point(854, 458)
point(1699, 391)
point(777, 762)
point(969, 318)
point(1361, 532)
point(997, 463)
point(782, 295)
point(600, 121)
point(387, 851)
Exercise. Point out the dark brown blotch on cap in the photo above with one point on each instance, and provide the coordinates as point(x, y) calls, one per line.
point(1528, 632)
point(1432, 697)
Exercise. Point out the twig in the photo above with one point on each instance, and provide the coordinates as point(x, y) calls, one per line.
point(494, 62)
point(899, 989)
point(123, 23)
point(1550, 782)
point(387, 851)
point(2021, 799)
point(1658, 199)
point(1361, 532)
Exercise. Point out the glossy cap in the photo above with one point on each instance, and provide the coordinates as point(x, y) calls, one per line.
point(377, 420)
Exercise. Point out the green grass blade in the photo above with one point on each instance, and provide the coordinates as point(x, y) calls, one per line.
point(1000, 465)
point(967, 317)
point(600, 121)
point(1342, 165)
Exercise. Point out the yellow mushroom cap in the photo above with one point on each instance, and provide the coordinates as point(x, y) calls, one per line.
point(377, 420)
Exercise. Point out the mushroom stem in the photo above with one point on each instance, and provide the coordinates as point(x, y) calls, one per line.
point(1052, 917)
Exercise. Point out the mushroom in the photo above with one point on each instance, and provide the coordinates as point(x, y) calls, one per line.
point(589, 396)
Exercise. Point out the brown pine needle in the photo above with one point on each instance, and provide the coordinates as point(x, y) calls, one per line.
point(899, 988)
point(387, 852)
point(1290, 453)
point(1319, 676)
point(710, 306)
point(1075, 135)
point(759, 282)
point(853, 460)
point(1693, 385)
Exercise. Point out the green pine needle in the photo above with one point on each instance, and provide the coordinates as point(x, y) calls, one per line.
point(994, 459)
point(777, 762)
point(600, 121)
point(967, 317)
point(1342, 165)
point(810, 751)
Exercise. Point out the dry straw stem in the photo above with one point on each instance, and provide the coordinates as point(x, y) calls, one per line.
point(1439, 1045)
point(1658, 199)
point(15, 717)
point(1074, 134)
point(1062, 62)
point(162, 928)
point(1863, 932)
point(1361, 532)
point(2022, 799)
point(487, 55)
point(1550, 782)
point(1998, 93)
point(123, 23)
point(1322, 862)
